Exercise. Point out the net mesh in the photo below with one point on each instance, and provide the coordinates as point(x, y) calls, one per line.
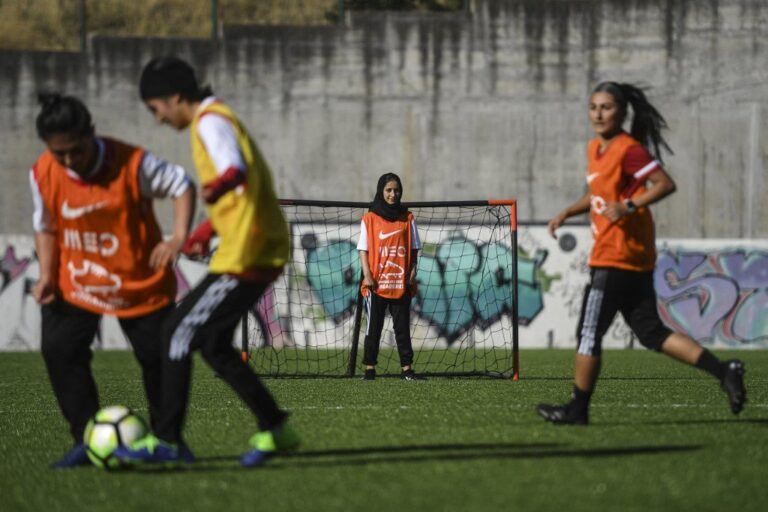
point(308, 323)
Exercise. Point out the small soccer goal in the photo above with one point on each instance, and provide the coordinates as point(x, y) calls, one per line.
point(464, 318)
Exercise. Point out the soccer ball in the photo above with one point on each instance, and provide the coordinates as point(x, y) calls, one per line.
point(109, 428)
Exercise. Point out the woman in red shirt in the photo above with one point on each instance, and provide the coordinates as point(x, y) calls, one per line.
point(622, 261)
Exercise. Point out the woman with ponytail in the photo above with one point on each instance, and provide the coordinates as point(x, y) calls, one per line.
point(625, 176)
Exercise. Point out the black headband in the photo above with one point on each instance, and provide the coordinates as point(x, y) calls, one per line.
point(166, 76)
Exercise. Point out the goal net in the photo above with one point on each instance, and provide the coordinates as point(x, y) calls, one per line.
point(464, 320)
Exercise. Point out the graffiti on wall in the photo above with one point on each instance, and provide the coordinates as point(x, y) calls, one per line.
point(715, 294)
point(461, 284)
point(11, 267)
point(21, 331)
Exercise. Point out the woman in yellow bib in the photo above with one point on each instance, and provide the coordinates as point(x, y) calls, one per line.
point(389, 245)
point(244, 212)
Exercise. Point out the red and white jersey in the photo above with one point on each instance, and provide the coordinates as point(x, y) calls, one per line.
point(106, 229)
point(619, 172)
point(389, 246)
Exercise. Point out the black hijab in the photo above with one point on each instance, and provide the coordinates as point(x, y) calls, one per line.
point(380, 207)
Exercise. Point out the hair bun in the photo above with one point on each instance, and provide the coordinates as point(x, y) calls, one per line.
point(48, 99)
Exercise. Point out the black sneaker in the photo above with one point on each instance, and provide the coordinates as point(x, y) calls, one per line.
point(562, 414)
point(370, 374)
point(411, 375)
point(733, 385)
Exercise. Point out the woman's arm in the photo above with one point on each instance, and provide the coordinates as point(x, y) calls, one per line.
point(165, 252)
point(46, 245)
point(44, 290)
point(368, 280)
point(414, 266)
point(662, 185)
point(577, 208)
point(221, 143)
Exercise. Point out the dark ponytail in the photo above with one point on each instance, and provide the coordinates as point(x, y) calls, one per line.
point(647, 122)
point(62, 114)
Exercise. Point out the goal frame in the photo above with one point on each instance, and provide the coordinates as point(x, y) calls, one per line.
point(513, 221)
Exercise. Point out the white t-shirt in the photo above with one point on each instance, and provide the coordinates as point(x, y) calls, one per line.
point(362, 244)
point(220, 140)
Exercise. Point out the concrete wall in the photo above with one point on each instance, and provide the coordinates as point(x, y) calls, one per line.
point(491, 104)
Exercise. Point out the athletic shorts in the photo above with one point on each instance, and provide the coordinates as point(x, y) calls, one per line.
point(612, 290)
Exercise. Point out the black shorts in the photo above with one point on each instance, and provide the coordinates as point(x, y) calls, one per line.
point(611, 290)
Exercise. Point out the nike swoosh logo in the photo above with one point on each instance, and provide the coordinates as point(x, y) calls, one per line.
point(74, 213)
point(592, 176)
point(384, 236)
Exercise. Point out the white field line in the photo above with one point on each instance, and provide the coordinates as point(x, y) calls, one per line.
point(409, 407)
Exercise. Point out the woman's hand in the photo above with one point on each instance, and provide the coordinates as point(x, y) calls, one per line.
point(556, 222)
point(615, 211)
point(165, 253)
point(44, 291)
point(368, 282)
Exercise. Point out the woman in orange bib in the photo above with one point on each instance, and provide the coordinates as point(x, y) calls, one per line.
point(101, 251)
point(389, 245)
point(625, 176)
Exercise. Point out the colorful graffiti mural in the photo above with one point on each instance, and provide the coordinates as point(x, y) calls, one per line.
point(715, 295)
point(22, 332)
point(461, 284)
point(715, 290)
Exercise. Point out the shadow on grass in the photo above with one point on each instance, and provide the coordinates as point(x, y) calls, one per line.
point(729, 421)
point(628, 378)
point(499, 453)
point(427, 453)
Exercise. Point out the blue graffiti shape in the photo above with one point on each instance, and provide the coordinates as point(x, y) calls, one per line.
point(333, 273)
point(464, 285)
point(718, 295)
point(445, 292)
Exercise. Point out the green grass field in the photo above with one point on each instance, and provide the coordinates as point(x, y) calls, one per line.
point(662, 438)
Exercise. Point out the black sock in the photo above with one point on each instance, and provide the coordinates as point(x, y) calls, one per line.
point(710, 364)
point(580, 399)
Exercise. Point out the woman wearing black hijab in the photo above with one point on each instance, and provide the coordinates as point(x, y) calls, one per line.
point(389, 245)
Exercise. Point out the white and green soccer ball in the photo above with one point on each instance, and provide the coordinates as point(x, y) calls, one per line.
point(109, 428)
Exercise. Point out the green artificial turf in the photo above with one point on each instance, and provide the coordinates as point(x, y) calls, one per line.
point(661, 438)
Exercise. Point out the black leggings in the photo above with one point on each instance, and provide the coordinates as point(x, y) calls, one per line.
point(67, 335)
point(206, 320)
point(400, 309)
point(613, 290)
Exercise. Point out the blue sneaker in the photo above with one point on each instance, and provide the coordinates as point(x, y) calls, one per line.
point(150, 450)
point(269, 443)
point(185, 454)
point(77, 456)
